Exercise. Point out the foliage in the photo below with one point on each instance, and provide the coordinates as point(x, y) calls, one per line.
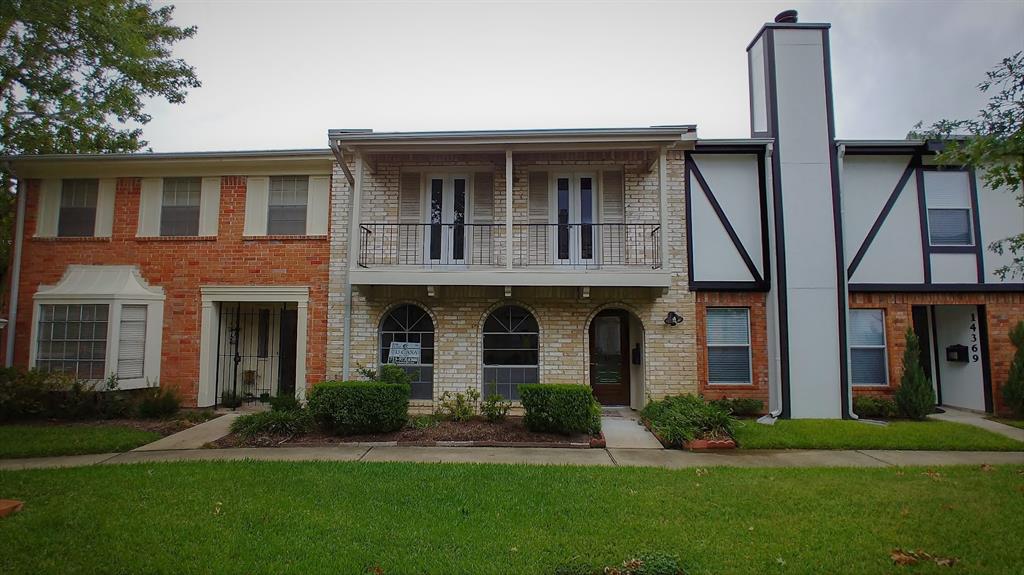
point(459, 406)
point(1013, 389)
point(28, 394)
point(871, 406)
point(994, 144)
point(741, 406)
point(69, 439)
point(678, 419)
point(560, 408)
point(495, 408)
point(36, 394)
point(274, 422)
point(353, 407)
point(197, 415)
point(642, 564)
point(284, 403)
point(393, 374)
point(159, 402)
point(230, 399)
point(915, 397)
point(423, 421)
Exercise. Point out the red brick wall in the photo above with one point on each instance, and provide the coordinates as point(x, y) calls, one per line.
point(1002, 311)
point(754, 301)
point(180, 266)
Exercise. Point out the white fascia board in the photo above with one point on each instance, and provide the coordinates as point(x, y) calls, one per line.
point(515, 277)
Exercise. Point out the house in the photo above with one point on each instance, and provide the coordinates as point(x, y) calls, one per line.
point(644, 262)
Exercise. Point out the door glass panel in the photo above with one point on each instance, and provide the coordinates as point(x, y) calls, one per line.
point(563, 218)
point(436, 209)
point(607, 350)
point(586, 218)
point(459, 220)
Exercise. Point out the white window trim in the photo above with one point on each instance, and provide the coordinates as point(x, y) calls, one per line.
point(448, 177)
point(709, 345)
point(884, 347)
point(575, 247)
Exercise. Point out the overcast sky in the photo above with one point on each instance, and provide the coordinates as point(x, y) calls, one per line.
point(280, 74)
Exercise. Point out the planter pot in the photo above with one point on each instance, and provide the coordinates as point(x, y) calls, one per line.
point(704, 444)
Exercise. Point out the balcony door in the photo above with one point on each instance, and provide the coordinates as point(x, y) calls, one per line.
point(574, 213)
point(446, 198)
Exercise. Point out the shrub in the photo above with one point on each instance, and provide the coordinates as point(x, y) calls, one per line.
point(422, 422)
point(871, 406)
point(915, 397)
point(290, 422)
point(741, 406)
point(230, 399)
point(284, 403)
point(28, 394)
point(495, 408)
point(1013, 389)
point(460, 406)
point(560, 408)
point(682, 418)
point(393, 374)
point(158, 403)
point(352, 407)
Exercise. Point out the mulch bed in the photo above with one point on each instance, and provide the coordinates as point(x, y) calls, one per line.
point(164, 427)
point(474, 433)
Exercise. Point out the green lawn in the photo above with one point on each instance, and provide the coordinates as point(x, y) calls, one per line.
point(286, 517)
point(845, 434)
point(44, 440)
point(1018, 423)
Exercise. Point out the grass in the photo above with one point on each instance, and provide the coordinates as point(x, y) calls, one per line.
point(845, 434)
point(324, 517)
point(47, 440)
point(1018, 423)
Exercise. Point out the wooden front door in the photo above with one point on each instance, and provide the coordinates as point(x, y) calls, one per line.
point(609, 357)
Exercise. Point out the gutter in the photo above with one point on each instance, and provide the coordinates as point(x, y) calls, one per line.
point(19, 231)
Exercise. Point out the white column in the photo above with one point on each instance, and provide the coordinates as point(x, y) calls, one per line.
point(301, 331)
point(508, 209)
point(207, 356)
point(353, 252)
point(663, 197)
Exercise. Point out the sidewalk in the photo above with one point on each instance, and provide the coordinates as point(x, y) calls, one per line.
point(978, 420)
point(542, 456)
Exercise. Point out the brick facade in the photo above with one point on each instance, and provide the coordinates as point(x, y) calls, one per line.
point(180, 265)
point(755, 303)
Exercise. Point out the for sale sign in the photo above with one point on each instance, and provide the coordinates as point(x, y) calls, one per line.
point(404, 353)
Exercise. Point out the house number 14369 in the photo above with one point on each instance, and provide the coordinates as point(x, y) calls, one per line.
point(974, 338)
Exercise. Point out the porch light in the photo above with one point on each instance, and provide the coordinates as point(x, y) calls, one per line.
point(673, 319)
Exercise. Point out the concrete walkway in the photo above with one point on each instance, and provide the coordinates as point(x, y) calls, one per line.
point(663, 458)
point(622, 429)
point(194, 437)
point(978, 420)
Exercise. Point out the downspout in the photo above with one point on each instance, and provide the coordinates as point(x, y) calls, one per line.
point(347, 321)
point(19, 231)
point(840, 156)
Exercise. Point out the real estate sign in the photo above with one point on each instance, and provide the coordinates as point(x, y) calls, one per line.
point(404, 353)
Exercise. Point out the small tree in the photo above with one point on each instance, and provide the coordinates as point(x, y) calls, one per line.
point(1013, 390)
point(915, 398)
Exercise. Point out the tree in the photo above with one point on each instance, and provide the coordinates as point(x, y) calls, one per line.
point(74, 75)
point(915, 397)
point(993, 143)
point(1013, 390)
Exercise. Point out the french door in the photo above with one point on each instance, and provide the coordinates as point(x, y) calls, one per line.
point(574, 215)
point(446, 198)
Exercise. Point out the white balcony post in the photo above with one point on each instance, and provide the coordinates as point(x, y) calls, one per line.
point(662, 178)
point(354, 211)
point(508, 209)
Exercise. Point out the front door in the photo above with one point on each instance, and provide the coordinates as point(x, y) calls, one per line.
point(446, 204)
point(286, 353)
point(609, 357)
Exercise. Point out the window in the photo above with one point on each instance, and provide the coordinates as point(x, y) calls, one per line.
point(287, 205)
point(511, 339)
point(407, 339)
point(948, 197)
point(728, 341)
point(867, 347)
point(179, 211)
point(73, 339)
point(131, 349)
point(77, 208)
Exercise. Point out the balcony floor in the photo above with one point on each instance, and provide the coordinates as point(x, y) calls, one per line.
point(617, 276)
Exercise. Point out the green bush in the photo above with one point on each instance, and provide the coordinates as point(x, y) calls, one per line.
point(741, 406)
point(353, 407)
point(682, 418)
point(915, 398)
point(28, 394)
point(560, 408)
point(459, 406)
point(393, 374)
point(284, 403)
point(874, 407)
point(289, 422)
point(1013, 389)
point(159, 402)
point(495, 408)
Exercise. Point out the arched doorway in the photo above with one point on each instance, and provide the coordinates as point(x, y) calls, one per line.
point(614, 363)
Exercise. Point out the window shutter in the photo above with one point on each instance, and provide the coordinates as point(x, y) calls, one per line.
point(257, 189)
point(131, 349)
point(539, 198)
point(613, 205)
point(150, 200)
point(409, 199)
point(411, 235)
point(318, 205)
point(49, 208)
point(209, 206)
point(105, 207)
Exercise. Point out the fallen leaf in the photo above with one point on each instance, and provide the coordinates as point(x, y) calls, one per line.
point(933, 474)
point(986, 467)
point(701, 472)
point(901, 557)
point(780, 561)
point(945, 561)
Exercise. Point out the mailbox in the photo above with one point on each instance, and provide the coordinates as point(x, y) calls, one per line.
point(637, 354)
point(957, 353)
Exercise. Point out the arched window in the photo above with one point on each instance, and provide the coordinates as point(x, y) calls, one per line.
point(407, 339)
point(510, 351)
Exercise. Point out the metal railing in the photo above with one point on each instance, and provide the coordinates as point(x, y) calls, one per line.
point(578, 245)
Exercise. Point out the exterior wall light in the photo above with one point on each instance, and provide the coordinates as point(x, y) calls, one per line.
point(673, 319)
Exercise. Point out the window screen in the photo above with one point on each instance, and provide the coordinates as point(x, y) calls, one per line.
point(409, 324)
point(511, 337)
point(179, 212)
point(73, 339)
point(728, 341)
point(287, 205)
point(948, 197)
point(77, 216)
point(867, 347)
point(131, 349)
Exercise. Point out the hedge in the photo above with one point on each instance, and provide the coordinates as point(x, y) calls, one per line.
point(560, 408)
point(354, 407)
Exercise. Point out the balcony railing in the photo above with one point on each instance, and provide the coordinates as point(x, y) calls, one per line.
point(578, 245)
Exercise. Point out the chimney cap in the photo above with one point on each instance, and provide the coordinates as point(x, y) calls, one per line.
point(786, 17)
